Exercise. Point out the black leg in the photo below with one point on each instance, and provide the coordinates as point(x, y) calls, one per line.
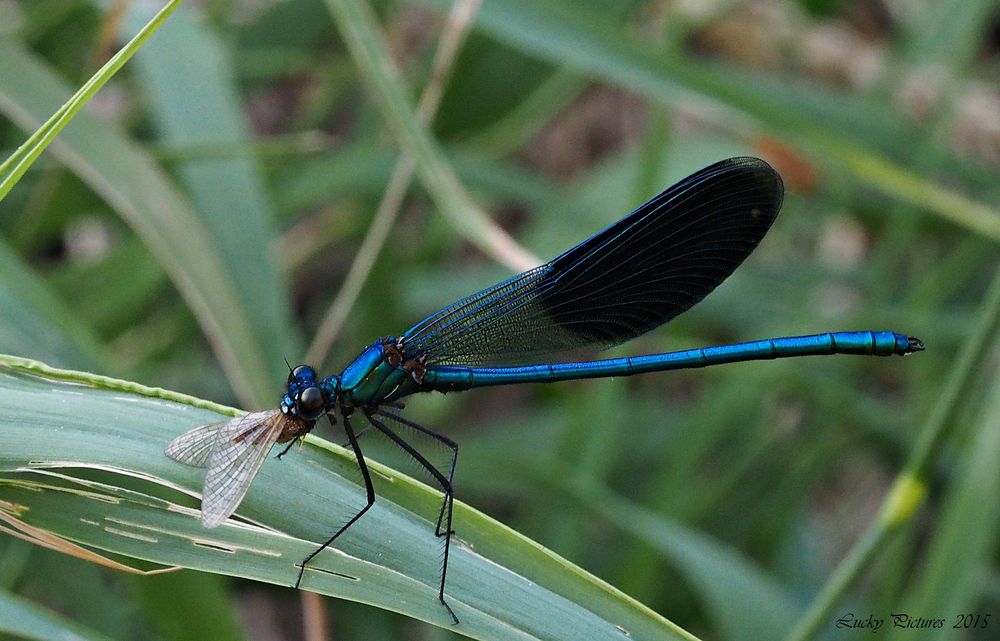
point(453, 446)
point(358, 434)
point(289, 446)
point(445, 482)
point(369, 489)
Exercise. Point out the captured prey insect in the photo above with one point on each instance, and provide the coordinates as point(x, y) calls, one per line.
point(635, 275)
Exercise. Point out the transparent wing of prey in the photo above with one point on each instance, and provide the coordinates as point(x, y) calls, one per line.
point(233, 452)
point(622, 282)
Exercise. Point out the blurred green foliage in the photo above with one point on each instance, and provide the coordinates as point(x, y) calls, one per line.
point(191, 230)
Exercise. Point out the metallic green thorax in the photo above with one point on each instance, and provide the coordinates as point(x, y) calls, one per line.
point(372, 378)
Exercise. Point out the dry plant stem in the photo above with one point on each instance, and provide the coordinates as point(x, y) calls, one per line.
point(315, 623)
point(359, 28)
point(455, 29)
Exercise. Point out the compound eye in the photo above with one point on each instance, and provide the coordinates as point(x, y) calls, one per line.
point(302, 371)
point(311, 403)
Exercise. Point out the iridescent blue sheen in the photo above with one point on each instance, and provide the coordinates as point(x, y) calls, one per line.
point(624, 281)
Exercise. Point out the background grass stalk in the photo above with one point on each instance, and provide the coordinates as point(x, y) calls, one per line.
point(456, 26)
point(898, 510)
point(358, 27)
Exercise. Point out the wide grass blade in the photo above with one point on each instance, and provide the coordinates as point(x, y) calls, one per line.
point(35, 322)
point(24, 620)
point(131, 182)
point(228, 192)
point(81, 458)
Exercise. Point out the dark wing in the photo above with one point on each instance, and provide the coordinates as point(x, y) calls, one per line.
point(635, 275)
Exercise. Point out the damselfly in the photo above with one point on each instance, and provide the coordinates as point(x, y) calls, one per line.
point(626, 280)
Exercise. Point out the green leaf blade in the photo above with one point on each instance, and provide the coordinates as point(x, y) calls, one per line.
point(57, 425)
